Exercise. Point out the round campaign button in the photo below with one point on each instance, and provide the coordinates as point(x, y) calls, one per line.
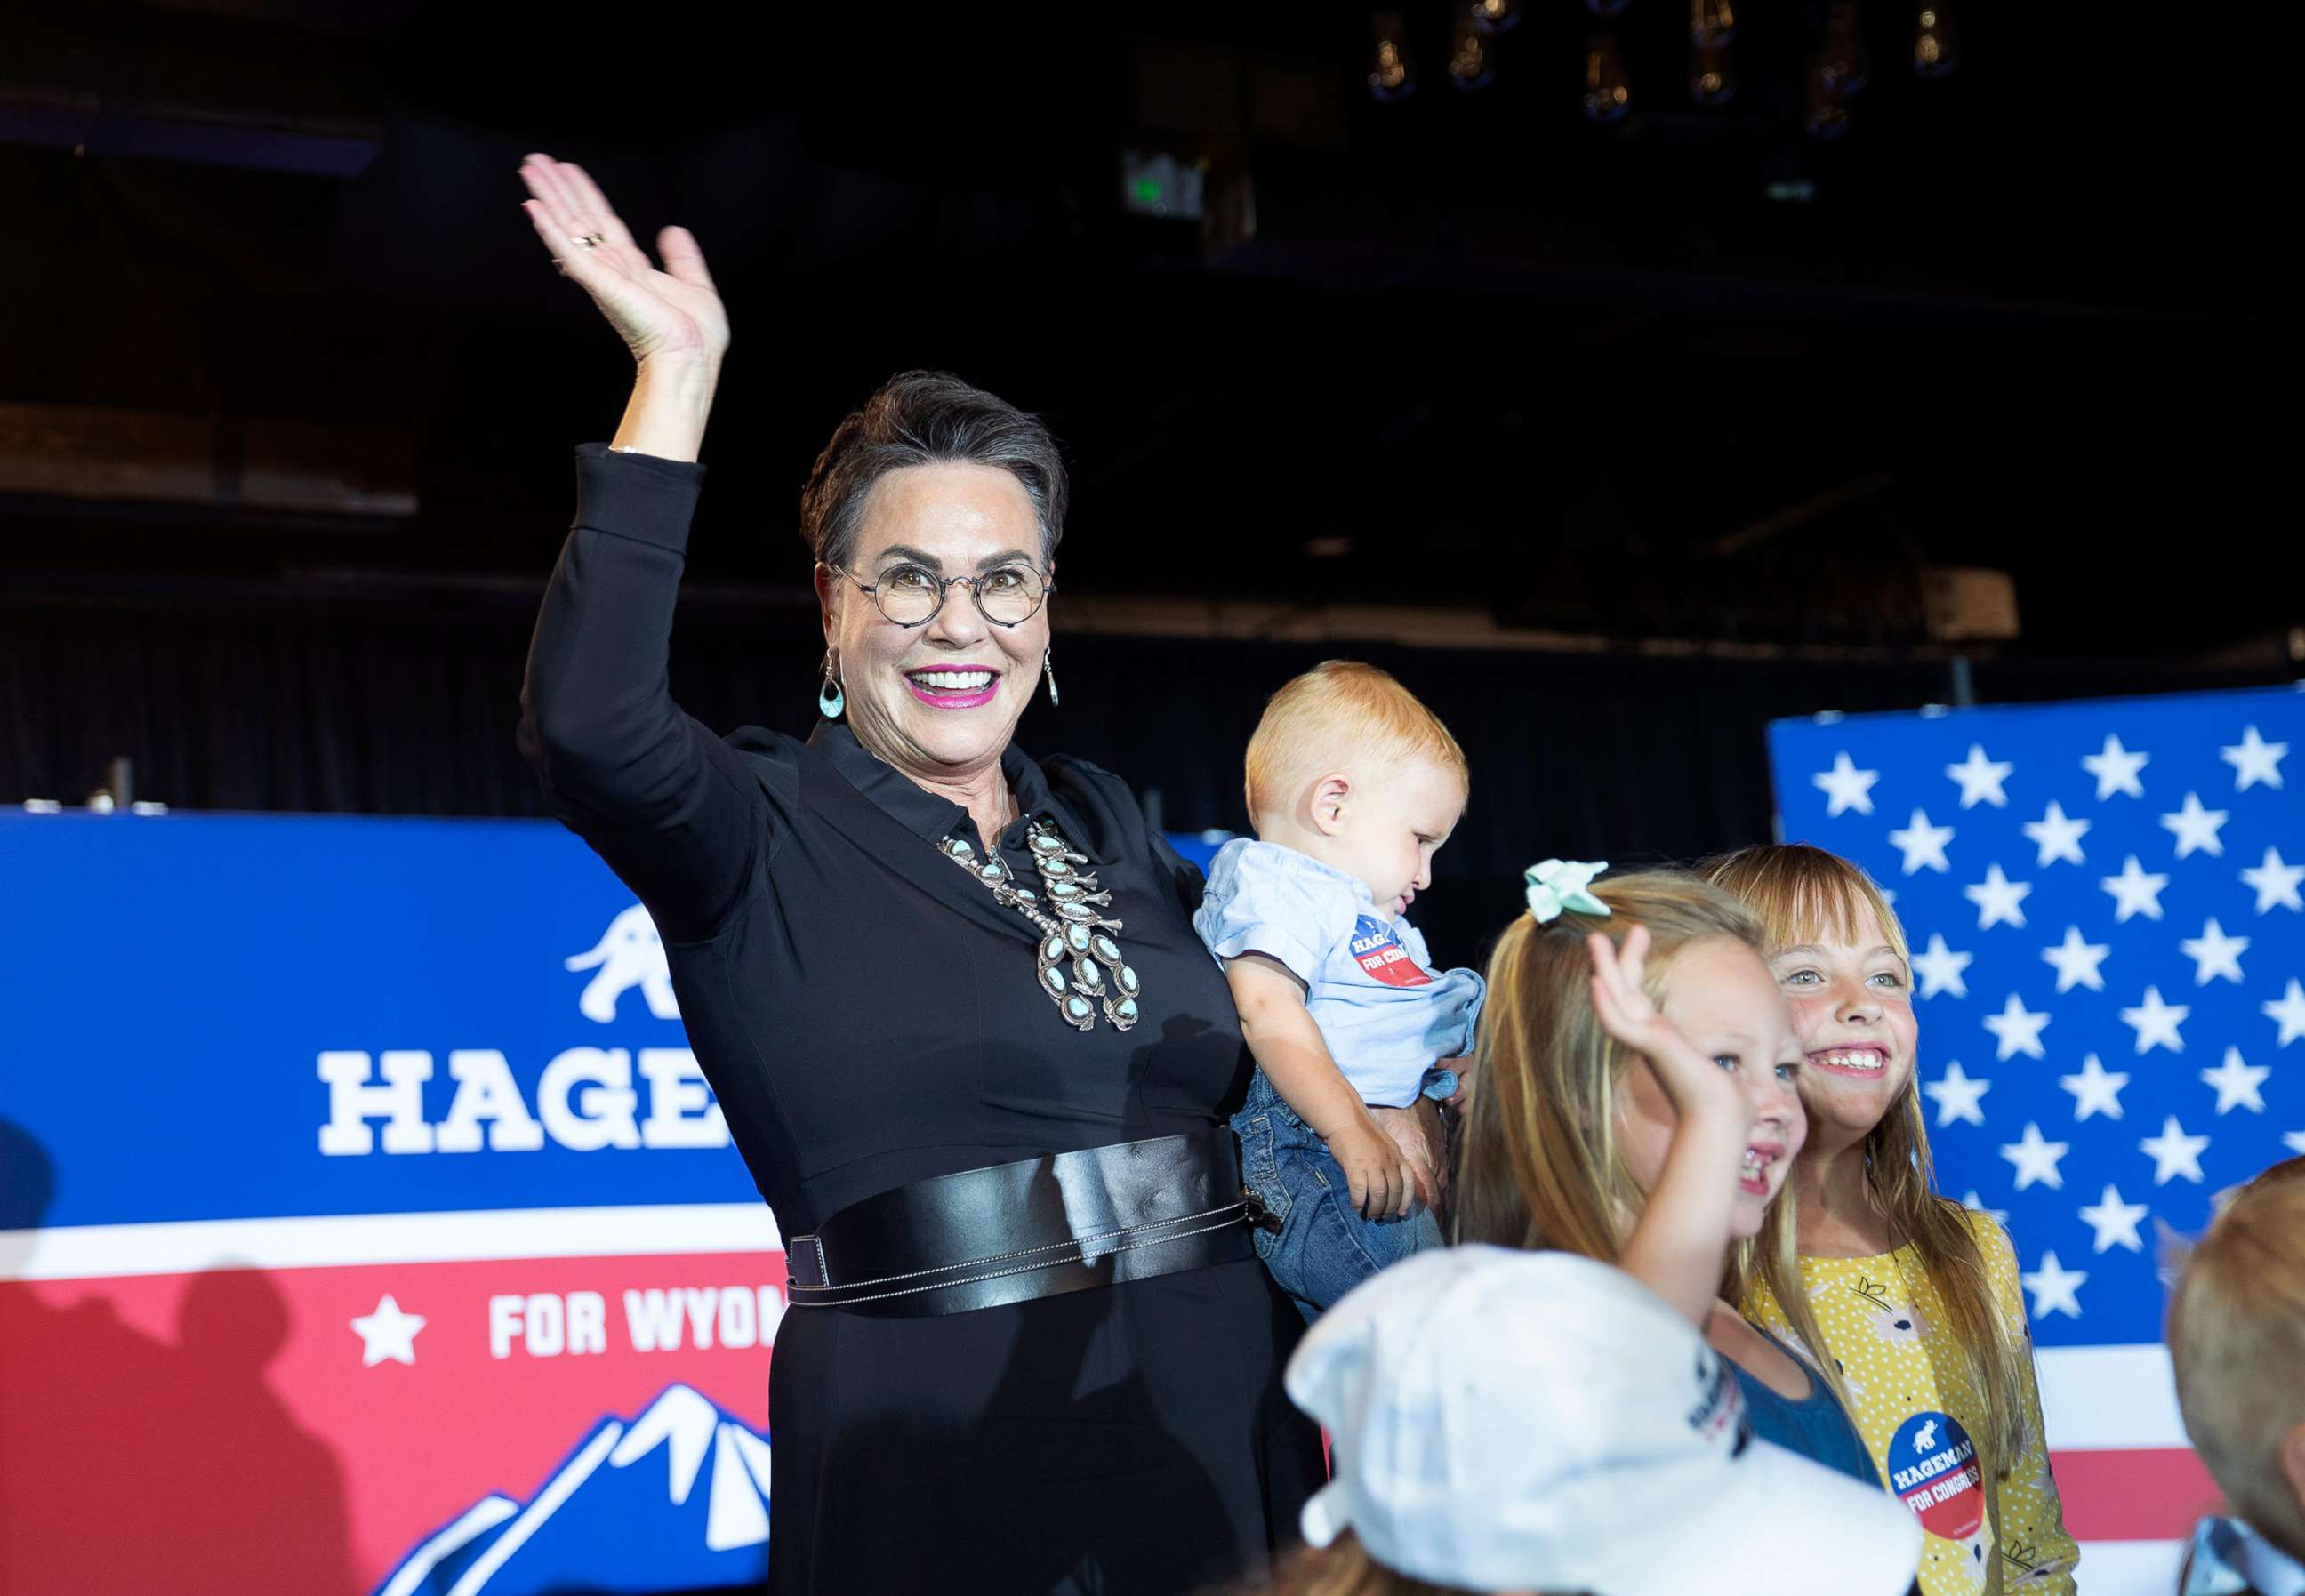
point(1934, 1470)
point(1379, 953)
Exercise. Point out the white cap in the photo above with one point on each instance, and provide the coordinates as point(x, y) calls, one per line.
point(1510, 1421)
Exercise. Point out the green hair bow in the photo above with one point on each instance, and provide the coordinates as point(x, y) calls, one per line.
point(1558, 884)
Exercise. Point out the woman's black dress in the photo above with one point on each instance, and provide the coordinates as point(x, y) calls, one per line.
point(867, 1015)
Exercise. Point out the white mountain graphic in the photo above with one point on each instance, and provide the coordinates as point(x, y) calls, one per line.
point(598, 1505)
point(686, 1421)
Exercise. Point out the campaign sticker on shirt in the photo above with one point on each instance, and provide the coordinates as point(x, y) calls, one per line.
point(1934, 1470)
point(1381, 953)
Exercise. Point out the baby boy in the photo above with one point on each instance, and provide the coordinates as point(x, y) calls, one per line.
point(1353, 786)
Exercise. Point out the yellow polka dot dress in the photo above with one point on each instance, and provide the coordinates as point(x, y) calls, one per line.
point(1914, 1402)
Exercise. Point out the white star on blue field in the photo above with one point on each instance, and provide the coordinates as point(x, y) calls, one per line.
point(2106, 906)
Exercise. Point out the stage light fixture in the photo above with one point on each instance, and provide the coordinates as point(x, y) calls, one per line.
point(1392, 71)
point(1840, 66)
point(1494, 16)
point(1607, 91)
point(1848, 65)
point(1712, 75)
point(1471, 55)
point(1824, 109)
point(1936, 41)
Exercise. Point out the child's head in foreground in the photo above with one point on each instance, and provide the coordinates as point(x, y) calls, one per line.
point(1349, 766)
point(2237, 1337)
point(1506, 1422)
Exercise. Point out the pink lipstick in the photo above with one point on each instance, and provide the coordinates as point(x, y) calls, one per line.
point(954, 687)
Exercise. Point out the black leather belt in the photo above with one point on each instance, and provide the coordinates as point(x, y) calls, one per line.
point(1037, 1227)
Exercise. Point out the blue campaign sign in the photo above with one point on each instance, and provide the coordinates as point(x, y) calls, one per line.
point(2108, 927)
point(337, 1135)
point(244, 1017)
point(237, 1016)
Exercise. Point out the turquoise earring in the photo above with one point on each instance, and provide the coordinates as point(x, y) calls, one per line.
point(829, 699)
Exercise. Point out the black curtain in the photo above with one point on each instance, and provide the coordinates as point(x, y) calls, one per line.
point(252, 702)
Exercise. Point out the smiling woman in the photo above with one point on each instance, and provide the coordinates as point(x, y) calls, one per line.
point(935, 484)
point(1916, 1296)
point(1031, 1347)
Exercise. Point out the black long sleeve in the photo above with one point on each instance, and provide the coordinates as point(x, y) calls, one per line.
point(869, 1016)
point(675, 811)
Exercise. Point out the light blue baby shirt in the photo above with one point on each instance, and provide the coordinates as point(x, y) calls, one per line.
point(1370, 986)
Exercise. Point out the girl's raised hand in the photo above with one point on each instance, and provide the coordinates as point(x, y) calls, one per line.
point(1679, 1241)
point(1697, 1086)
point(672, 314)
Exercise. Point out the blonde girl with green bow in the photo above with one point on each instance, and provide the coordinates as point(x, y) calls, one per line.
point(1637, 1103)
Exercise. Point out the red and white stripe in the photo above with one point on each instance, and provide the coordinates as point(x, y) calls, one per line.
point(2131, 1483)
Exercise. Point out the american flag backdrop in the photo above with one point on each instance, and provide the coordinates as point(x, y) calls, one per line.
point(2106, 906)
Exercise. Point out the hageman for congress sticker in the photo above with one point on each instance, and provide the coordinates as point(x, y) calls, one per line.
point(1381, 953)
point(1934, 1470)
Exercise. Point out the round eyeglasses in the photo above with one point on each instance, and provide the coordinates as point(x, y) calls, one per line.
point(913, 595)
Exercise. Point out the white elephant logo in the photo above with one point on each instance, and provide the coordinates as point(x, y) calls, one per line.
point(628, 955)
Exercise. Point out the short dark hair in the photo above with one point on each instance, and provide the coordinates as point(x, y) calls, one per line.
point(918, 418)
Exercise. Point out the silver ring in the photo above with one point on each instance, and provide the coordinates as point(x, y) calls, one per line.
point(590, 241)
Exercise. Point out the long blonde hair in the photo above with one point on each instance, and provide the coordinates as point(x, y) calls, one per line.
point(1803, 894)
point(1541, 1166)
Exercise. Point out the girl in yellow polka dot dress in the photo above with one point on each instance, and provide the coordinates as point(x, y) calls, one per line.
point(1916, 1297)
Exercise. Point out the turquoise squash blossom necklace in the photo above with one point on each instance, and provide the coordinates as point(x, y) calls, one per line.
point(1078, 964)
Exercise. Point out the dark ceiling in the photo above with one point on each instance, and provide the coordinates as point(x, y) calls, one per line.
point(2039, 315)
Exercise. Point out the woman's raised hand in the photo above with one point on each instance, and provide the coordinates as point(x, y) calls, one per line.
point(1695, 1086)
point(669, 315)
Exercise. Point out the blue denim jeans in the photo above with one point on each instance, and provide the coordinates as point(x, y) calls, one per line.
point(1324, 1248)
